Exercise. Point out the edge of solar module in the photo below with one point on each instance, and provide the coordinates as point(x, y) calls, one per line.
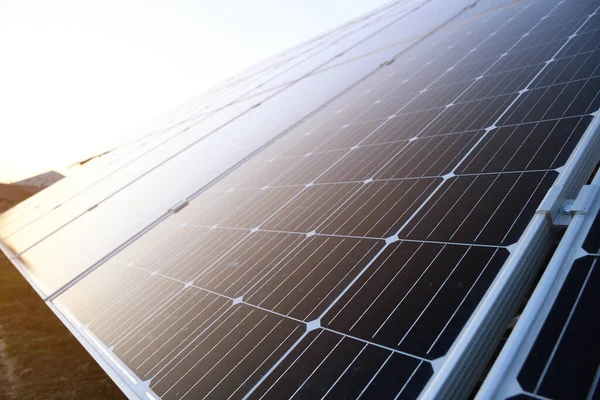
point(35, 284)
point(501, 381)
point(466, 360)
point(120, 378)
point(117, 377)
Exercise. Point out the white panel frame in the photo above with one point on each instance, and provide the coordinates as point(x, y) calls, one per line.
point(501, 382)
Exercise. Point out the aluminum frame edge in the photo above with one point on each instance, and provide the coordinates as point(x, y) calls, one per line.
point(120, 380)
point(502, 378)
point(114, 375)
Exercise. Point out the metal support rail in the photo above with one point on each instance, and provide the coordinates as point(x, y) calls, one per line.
point(501, 381)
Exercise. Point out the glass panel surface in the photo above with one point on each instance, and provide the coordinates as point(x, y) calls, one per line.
point(364, 234)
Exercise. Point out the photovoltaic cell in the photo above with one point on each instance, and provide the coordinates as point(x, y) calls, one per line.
point(482, 209)
point(417, 295)
point(343, 259)
point(364, 370)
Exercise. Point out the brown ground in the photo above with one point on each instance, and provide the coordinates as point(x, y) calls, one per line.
point(39, 358)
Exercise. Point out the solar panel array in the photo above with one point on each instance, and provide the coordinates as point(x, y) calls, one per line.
point(326, 223)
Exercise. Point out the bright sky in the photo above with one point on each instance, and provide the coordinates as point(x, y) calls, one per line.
point(76, 75)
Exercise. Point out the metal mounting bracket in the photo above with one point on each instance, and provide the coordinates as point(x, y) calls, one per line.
point(584, 200)
point(560, 211)
point(177, 207)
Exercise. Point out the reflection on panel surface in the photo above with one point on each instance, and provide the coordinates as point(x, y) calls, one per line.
point(193, 167)
point(122, 171)
point(343, 258)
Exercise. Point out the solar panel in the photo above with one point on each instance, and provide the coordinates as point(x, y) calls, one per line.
point(345, 237)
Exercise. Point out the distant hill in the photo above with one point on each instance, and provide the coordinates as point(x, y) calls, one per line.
point(41, 181)
point(14, 193)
